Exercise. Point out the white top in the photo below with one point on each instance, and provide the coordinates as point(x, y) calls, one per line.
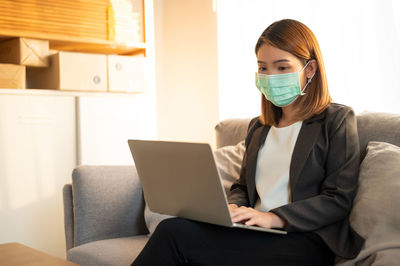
point(273, 163)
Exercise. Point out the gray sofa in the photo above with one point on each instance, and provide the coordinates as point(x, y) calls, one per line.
point(104, 210)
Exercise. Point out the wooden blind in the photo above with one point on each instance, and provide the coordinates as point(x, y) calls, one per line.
point(65, 18)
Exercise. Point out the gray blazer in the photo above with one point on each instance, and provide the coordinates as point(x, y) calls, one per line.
point(323, 178)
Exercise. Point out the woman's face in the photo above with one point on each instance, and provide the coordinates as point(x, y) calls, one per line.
point(272, 61)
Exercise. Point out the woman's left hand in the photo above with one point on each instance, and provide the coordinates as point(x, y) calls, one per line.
point(250, 216)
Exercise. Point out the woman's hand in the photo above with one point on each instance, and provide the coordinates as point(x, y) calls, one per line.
point(250, 216)
point(232, 207)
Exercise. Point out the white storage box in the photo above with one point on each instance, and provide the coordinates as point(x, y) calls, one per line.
point(126, 73)
point(71, 71)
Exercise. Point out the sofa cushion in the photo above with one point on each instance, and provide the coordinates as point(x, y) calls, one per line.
point(107, 203)
point(376, 211)
point(110, 252)
point(228, 160)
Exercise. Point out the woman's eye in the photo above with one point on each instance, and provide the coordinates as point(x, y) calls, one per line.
point(260, 68)
point(282, 68)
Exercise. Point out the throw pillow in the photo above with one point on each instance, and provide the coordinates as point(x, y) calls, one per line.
point(376, 211)
point(228, 160)
point(229, 163)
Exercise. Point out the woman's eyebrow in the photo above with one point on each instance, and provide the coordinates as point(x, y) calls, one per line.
point(281, 60)
point(275, 62)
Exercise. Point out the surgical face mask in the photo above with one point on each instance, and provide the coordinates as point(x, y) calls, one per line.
point(281, 89)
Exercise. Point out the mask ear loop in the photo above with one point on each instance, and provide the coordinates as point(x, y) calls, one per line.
point(308, 81)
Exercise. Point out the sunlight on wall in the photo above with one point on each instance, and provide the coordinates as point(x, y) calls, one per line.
point(186, 70)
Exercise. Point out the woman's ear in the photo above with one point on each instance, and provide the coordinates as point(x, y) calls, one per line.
point(311, 68)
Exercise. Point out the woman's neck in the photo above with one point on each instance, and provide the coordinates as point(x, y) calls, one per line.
point(288, 116)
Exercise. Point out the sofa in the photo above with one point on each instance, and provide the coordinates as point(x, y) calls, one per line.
point(107, 221)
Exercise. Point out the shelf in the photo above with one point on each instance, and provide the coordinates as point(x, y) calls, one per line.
point(58, 42)
point(41, 92)
point(101, 47)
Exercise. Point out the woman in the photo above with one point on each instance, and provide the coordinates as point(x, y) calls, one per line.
point(299, 172)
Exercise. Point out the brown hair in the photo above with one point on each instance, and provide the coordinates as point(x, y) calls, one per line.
point(296, 38)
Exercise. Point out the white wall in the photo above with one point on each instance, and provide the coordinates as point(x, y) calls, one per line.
point(186, 70)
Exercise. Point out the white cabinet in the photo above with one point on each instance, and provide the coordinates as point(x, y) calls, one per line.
point(104, 126)
point(37, 155)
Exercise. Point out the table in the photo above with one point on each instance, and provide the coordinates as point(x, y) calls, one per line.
point(15, 254)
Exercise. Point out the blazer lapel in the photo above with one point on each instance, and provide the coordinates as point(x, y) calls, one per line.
point(308, 135)
point(258, 140)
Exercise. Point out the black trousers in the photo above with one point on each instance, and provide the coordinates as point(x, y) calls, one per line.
point(179, 241)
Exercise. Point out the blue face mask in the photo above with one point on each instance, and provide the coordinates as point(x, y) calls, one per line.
point(281, 89)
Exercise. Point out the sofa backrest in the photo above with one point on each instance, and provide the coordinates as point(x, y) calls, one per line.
point(377, 126)
point(372, 126)
point(231, 131)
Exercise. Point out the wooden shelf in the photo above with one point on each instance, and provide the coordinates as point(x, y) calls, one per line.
point(81, 44)
point(101, 47)
point(42, 92)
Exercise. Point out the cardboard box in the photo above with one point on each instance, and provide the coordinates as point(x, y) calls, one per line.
point(70, 71)
point(23, 51)
point(12, 76)
point(126, 73)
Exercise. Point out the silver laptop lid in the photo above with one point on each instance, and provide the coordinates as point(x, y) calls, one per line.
point(181, 179)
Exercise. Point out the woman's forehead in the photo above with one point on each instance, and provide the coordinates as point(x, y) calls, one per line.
point(270, 54)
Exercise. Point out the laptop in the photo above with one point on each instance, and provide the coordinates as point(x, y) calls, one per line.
point(181, 179)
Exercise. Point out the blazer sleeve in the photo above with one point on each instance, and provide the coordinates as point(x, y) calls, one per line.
point(238, 193)
point(339, 186)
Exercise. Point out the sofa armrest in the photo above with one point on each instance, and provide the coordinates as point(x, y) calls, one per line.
point(68, 216)
point(107, 203)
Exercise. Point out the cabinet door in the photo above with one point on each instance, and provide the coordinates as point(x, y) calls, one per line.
point(104, 126)
point(37, 155)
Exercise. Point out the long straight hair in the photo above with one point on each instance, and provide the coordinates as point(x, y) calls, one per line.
point(296, 38)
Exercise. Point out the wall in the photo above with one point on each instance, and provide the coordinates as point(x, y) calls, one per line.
point(186, 70)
